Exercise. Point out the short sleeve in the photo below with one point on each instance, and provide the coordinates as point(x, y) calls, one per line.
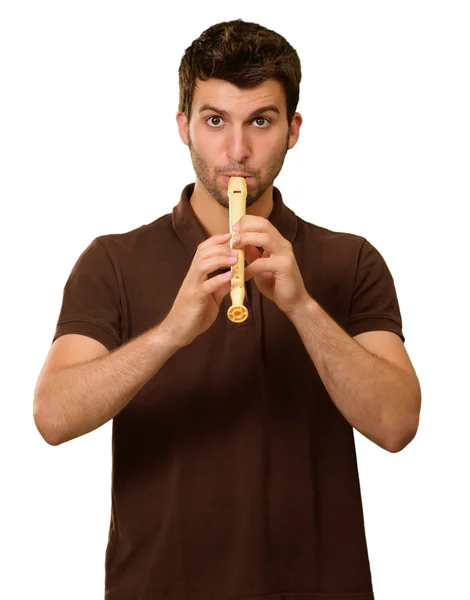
point(91, 302)
point(374, 303)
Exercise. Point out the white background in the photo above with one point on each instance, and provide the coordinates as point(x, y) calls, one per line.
point(89, 146)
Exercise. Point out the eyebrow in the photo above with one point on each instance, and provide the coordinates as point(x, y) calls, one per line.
point(224, 113)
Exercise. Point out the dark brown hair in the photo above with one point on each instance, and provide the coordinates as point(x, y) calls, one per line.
point(244, 54)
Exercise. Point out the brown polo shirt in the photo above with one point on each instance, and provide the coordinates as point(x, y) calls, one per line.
point(234, 474)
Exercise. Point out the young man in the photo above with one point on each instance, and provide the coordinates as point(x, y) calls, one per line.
point(234, 466)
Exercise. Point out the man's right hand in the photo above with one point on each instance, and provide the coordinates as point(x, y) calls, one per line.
point(197, 304)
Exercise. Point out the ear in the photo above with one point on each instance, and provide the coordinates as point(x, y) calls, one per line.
point(294, 130)
point(182, 127)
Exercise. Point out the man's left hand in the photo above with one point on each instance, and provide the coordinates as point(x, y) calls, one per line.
point(275, 270)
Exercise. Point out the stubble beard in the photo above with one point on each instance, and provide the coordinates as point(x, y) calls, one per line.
point(212, 183)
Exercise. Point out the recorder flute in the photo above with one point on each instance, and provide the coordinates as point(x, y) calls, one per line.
point(237, 208)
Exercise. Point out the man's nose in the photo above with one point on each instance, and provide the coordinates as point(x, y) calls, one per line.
point(238, 146)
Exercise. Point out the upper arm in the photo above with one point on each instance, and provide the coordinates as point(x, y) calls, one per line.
point(68, 350)
point(374, 303)
point(91, 304)
point(72, 349)
point(386, 345)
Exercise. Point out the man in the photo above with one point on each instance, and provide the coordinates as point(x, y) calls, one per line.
point(234, 466)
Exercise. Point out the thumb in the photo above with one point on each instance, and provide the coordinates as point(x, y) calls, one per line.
point(252, 254)
point(222, 291)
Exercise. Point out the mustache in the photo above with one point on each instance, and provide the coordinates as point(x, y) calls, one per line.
point(232, 170)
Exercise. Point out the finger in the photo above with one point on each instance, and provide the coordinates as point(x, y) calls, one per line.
point(211, 251)
point(219, 284)
point(203, 268)
point(220, 293)
point(256, 223)
point(263, 265)
point(209, 259)
point(262, 240)
point(215, 240)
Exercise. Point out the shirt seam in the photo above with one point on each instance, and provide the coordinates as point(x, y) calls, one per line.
point(63, 321)
point(374, 317)
point(99, 238)
point(314, 595)
point(355, 275)
point(112, 264)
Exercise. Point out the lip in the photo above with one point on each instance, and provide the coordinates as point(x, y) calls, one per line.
point(236, 175)
point(227, 177)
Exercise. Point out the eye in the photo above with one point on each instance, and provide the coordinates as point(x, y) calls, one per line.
point(213, 117)
point(262, 119)
point(267, 121)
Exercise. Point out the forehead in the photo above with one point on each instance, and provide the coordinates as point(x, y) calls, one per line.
point(235, 100)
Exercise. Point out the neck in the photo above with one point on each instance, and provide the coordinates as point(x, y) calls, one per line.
point(214, 218)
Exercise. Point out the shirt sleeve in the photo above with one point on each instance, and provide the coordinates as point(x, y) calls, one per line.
point(374, 303)
point(91, 302)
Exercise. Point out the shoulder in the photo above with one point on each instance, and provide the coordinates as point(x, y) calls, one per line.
point(334, 246)
point(144, 238)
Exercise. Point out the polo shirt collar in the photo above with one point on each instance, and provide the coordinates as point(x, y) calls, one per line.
point(191, 233)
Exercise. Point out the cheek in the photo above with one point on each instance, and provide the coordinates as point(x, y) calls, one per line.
point(271, 146)
point(273, 157)
point(204, 143)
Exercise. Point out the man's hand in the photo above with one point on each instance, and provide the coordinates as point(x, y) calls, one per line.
point(197, 304)
point(275, 270)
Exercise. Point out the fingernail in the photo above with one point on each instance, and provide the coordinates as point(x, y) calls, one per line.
point(237, 226)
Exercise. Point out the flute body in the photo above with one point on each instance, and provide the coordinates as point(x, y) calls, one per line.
point(237, 193)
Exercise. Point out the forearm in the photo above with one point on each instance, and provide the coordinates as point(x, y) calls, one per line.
point(78, 399)
point(371, 393)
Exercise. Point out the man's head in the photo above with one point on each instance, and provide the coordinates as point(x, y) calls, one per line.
point(226, 76)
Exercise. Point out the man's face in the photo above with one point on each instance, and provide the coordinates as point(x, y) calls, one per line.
point(229, 134)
